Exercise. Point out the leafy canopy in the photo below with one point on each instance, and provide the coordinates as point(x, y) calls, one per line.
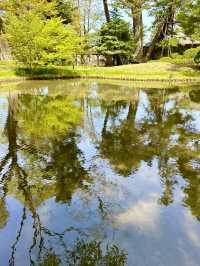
point(115, 38)
point(189, 18)
point(38, 36)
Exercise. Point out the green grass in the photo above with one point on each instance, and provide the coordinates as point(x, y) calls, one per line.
point(145, 71)
point(178, 60)
point(153, 70)
point(7, 69)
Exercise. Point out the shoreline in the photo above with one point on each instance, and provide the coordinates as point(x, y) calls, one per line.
point(173, 80)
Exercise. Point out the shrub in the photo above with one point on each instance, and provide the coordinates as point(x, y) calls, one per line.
point(197, 58)
point(191, 53)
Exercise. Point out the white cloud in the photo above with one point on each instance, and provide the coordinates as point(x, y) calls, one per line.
point(144, 215)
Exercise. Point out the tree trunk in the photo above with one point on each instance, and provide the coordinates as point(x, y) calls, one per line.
point(154, 42)
point(88, 15)
point(109, 60)
point(5, 52)
point(165, 28)
point(106, 10)
point(137, 32)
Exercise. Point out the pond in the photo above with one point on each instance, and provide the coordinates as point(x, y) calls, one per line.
point(99, 173)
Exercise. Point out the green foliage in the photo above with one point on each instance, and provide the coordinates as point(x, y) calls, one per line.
point(172, 42)
point(91, 254)
point(4, 214)
point(189, 18)
point(47, 72)
point(1, 25)
point(197, 58)
point(191, 53)
point(65, 10)
point(38, 40)
point(190, 56)
point(22, 34)
point(115, 38)
point(42, 8)
point(50, 260)
point(58, 42)
point(195, 96)
point(51, 124)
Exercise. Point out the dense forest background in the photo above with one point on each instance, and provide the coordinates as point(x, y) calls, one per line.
point(56, 31)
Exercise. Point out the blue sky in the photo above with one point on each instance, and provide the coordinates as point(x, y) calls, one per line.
point(147, 23)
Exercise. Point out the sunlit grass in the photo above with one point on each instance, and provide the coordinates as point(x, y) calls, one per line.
point(153, 70)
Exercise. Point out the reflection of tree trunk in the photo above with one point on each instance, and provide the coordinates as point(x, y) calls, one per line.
point(167, 196)
point(11, 129)
point(132, 111)
point(105, 122)
point(158, 106)
point(11, 132)
point(24, 187)
point(106, 11)
point(12, 258)
point(15, 170)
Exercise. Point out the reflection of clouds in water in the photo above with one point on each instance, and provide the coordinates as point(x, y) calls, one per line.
point(191, 229)
point(144, 215)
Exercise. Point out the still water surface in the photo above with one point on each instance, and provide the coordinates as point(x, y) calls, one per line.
point(98, 174)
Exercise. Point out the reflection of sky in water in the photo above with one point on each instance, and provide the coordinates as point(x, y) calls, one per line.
point(3, 117)
point(143, 111)
point(194, 125)
point(113, 209)
point(3, 112)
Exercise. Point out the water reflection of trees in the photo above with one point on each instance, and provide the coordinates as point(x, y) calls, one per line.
point(43, 161)
point(164, 131)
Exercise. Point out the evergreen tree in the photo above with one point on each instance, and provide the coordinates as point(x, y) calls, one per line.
point(115, 40)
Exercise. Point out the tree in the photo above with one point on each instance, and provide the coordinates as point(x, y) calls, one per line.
point(43, 8)
point(165, 12)
point(65, 10)
point(189, 18)
point(135, 9)
point(115, 41)
point(38, 39)
point(138, 34)
point(87, 15)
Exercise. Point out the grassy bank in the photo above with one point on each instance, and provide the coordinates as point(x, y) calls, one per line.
point(151, 71)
